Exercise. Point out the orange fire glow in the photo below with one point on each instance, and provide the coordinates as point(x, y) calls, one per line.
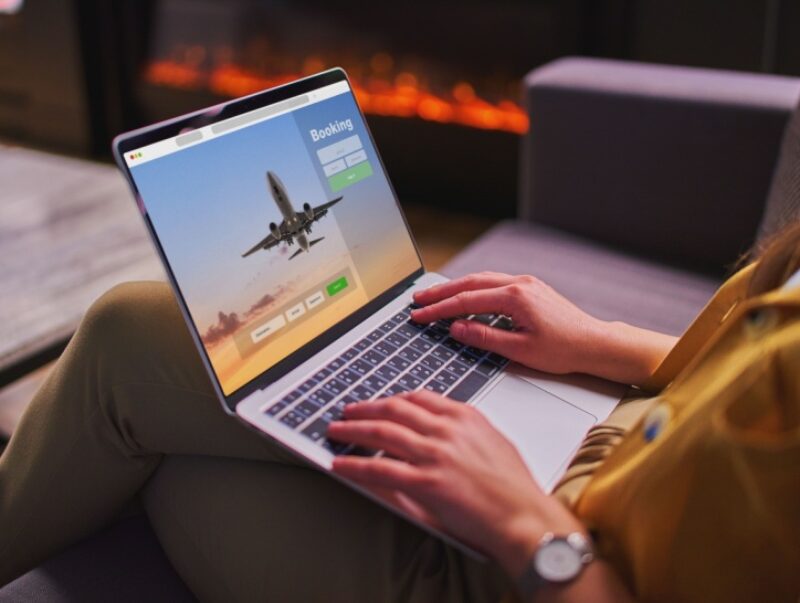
point(381, 94)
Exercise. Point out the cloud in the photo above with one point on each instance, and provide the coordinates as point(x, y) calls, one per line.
point(226, 326)
point(266, 301)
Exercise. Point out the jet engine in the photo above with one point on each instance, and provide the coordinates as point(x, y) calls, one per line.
point(273, 228)
point(308, 211)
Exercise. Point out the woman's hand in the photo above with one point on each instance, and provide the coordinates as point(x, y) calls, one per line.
point(550, 333)
point(449, 467)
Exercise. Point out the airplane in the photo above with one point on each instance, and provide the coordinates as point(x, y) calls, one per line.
point(295, 225)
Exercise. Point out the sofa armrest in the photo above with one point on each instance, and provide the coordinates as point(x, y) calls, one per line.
point(667, 162)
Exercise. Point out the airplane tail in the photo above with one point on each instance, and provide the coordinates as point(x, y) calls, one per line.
point(310, 244)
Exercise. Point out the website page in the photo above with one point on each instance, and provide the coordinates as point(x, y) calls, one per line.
point(277, 225)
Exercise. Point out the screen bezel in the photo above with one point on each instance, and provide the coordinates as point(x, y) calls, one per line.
point(179, 125)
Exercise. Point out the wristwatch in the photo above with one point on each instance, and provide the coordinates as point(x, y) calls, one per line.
point(557, 560)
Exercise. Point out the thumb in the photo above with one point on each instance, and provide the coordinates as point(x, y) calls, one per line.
point(479, 335)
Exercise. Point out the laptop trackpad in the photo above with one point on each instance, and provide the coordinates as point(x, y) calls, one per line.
point(545, 429)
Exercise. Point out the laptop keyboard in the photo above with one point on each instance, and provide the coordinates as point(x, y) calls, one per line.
point(398, 356)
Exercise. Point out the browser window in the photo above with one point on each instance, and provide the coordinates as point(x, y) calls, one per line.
point(277, 224)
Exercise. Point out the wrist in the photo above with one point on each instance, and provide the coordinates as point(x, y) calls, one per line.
point(523, 534)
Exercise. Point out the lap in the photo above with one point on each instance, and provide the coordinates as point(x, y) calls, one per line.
point(245, 530)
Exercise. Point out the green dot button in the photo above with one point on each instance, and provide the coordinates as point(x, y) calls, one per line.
point(336, 286)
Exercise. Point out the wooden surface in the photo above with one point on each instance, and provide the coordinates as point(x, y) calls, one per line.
point(69, 231)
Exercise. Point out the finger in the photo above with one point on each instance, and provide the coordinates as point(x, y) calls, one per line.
point(397, 440)
point(432, 402)
point(380, 472)
point(397, 410)
point(471, 282)
point(484, 337)
point(483, 301)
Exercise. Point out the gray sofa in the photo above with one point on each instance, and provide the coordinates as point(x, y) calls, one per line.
point(640, 187)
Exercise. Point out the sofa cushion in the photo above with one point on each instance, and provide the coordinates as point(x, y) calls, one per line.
point(123, 563)
point(783, 202)
point(605, 283)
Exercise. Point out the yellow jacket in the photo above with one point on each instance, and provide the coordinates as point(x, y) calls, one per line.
point(701, 500)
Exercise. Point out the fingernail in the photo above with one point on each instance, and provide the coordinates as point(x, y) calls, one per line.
point(458, 328)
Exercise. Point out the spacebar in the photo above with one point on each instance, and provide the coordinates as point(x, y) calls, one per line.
point(467, 388)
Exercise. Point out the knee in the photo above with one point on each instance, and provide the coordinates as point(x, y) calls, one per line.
point(128, 316)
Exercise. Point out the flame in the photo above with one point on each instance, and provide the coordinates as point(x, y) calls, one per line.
point(401, 96)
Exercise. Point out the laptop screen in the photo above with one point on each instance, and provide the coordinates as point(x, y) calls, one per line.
point(276, 224)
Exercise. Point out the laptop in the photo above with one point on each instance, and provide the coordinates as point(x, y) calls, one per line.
point(294, 268)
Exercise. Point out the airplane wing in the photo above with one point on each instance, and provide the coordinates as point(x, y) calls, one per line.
point(321, 209)
point(265, 243)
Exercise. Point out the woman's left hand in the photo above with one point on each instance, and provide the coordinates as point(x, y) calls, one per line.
point(447, 466)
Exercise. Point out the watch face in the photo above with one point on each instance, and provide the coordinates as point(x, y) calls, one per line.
point(557, 561)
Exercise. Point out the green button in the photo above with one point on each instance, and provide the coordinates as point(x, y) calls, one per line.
point(350, 176)
point(336, 286)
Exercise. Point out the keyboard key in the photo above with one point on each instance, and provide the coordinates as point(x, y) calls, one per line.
point(307, 407)
point(452, 344)
point(307, 386)
point(409, 382)
point(385, 348)
point(347, 399)
point(457, 368)
point(277, 407)
point(477, 352)
point(348, 376)
point(468, 387)
point(467, 358)
point(292, 419)
point(362, 393)
point(497, 359)
point(486, 368)
point(373, 357)
point(363, 344)
point(292, 396)
point(333, 413)
point(442, 353)
point(321, 396)
point(409, 354)
point(376, 335)
point(398, 362)
point(394, 389)
point(446, 377)
point(359, 451)
point(440, 328)
point(400, 316)
point(316, 430)
point(505, 323)
point(486, 319)
point(436, 386)
point(350, 354)
point(387, 372)
point(421, 344)
point(409, 329)
point(335, 447)
point(335, 386)
point(421, 371)
point(396, 339)
point(336, 364)
point(432, 362)
point(361, 366)
point(433, 336)
point(374, 382)
point(387, 326)
point(322, 373)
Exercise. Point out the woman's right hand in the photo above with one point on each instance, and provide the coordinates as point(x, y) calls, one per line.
point(550, 333)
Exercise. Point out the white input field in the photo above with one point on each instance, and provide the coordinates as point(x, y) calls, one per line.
point(295, 312)
point(268, 328)
point(339, 149)
point(315, 299)
point(334, 167)
point(357, 157)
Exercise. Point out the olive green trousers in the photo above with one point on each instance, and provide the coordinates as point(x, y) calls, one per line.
point(128, 414)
